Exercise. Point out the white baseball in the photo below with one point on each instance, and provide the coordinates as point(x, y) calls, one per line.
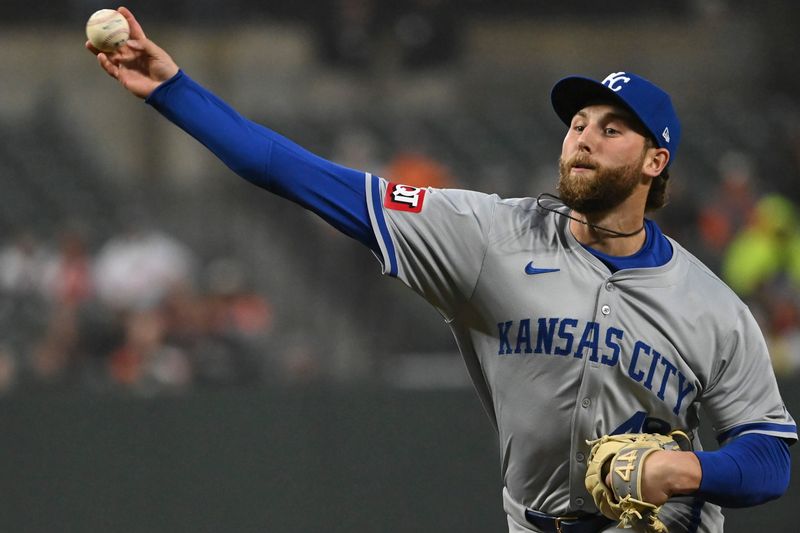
point(107, 30)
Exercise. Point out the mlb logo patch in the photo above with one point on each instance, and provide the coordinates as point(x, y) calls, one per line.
point(404, 198)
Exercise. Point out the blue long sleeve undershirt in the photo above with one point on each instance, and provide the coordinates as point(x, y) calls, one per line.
point(751, 469)
point(267, 159)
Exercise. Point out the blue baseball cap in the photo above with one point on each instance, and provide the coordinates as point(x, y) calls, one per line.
point(649, 103)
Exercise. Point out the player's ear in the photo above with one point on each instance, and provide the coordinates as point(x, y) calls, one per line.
point(655, 161)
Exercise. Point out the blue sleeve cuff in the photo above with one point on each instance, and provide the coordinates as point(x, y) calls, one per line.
point(158, 94)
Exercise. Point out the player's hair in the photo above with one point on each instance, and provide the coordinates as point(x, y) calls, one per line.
point(658, 196)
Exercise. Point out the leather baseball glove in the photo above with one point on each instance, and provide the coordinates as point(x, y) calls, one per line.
point(623, 456)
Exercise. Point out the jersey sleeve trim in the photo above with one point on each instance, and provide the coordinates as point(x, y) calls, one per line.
point(785, 431)
point(374, 206)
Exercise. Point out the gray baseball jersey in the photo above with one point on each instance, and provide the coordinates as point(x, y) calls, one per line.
point(561, 350)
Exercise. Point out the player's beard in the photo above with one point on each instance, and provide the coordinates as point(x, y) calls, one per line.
point(604, 190)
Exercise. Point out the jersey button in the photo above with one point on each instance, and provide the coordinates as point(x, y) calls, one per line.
point(609, 286)
point(586, 402)
point(579, 502)
point(605, 310)
point(579, 457)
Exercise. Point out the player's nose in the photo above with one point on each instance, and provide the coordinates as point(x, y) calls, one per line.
point(587, 139)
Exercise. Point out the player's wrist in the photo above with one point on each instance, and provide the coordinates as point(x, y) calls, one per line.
point(681, 471)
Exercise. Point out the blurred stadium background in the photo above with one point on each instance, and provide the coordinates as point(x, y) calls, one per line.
point(180, 351)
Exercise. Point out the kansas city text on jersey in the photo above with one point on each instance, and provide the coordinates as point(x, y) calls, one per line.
point(570, 337)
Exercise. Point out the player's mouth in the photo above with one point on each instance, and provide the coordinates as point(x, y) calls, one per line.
point(582, 165)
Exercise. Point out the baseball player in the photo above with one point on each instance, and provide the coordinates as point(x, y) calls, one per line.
point(578, 319)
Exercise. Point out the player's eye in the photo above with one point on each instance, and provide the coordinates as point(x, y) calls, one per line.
point(611, 131)
point(579, 127)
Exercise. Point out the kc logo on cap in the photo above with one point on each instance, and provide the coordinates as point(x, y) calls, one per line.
point(614, 78)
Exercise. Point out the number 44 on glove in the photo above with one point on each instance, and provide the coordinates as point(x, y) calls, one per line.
point(623, 456)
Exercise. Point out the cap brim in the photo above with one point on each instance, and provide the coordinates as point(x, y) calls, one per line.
point(572, 94)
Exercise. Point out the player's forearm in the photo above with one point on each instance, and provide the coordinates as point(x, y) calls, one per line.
point(751, 470)
point(266, 158)
point(213, 123)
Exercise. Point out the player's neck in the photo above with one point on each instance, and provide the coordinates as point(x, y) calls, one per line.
point(606, 242)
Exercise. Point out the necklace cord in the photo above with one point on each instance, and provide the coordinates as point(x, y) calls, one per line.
point(593, 226)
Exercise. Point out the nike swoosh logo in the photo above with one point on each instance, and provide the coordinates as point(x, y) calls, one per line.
point(531, 270)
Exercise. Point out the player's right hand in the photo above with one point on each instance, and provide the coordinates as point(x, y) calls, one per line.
point(139, 65)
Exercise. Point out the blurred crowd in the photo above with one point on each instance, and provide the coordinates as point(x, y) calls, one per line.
point(140, 313)
point(751, 237)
